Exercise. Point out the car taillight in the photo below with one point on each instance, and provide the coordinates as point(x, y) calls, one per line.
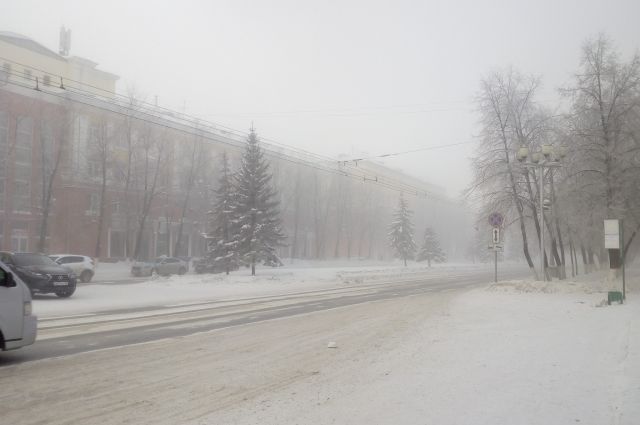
point(27, 309)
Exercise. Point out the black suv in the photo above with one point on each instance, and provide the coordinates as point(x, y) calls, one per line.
point(40, 273)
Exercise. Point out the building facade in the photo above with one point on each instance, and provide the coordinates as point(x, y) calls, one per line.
point(87, 171)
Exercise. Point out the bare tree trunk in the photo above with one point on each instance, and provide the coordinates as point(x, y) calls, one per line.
point(296, 218)
point(573, 272)
point(48, 182)
point(585, 261)
point(563, 271)
point(575, 260)
point(127, 194)
point(103, 200)
point(149, 194)
point(194, 166)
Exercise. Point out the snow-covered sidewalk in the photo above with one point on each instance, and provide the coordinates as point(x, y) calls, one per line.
point(162, 291)
point(513, 353)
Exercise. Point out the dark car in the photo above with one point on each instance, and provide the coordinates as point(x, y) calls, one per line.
point(206, 265)
point(163, 266)
point(41, 274)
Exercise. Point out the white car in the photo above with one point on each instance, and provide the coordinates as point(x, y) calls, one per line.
point(83, 266)
point(18, 326)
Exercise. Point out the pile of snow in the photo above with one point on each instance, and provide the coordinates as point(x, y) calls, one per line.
point(556, 286)
point(112, 271)
point(191, 288)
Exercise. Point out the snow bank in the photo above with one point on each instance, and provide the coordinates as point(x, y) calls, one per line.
point(192, 288)
point(488, 357)
point(535, 286)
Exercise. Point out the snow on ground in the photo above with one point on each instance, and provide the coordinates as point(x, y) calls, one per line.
point(113, 272)
point(504, 354)
point(190, 288)
point(514, 356)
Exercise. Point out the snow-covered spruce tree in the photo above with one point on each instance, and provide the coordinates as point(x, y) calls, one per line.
point(430, 249)
point(222, 236)
point(257, 209)
point(401, 232)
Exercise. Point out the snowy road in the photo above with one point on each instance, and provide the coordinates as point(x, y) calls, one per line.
point(77, 333)
point(430, 351)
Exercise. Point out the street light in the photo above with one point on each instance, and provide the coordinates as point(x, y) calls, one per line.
point(547, 157)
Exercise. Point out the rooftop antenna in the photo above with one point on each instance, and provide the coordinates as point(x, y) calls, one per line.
point(65, 41)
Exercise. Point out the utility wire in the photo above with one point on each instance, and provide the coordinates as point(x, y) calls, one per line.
point(386, 155)
point(64, 84)
point(196, 131)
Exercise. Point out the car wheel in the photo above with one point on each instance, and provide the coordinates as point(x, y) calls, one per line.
point(66, 292)
point(85, 276)
point(182, 270)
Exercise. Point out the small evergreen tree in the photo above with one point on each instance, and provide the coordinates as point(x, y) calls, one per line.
point(222, 237)
point(257, 209)
point(401, 232)
point(431, 250)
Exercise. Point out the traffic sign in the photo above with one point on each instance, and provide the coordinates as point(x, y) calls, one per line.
point(496, 219)
point(495, 233)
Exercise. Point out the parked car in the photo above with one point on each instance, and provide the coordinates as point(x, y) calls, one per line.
point(82, 266)
point(205, 265)
point(18, 326)
point(163, 266)
point(40, 273)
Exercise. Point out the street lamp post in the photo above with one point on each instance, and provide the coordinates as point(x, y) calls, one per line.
point(547, 157)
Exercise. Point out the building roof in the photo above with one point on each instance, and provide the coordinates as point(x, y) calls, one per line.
point(25, 42)
point(28, 43)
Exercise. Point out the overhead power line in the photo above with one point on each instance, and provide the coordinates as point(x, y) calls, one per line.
point(145, 115)
point(386, 155)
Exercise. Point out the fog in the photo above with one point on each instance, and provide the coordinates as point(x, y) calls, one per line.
point(354, 78)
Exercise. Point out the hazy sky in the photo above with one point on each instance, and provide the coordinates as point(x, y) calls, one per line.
point(333, 76)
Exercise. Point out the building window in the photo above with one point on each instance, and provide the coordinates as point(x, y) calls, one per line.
point(79, 143)
point(27, 74)
point(3, 154)
point(19, 236)
point(46, 79)
point(93, 168)
point(94, 204)
point(22, 165)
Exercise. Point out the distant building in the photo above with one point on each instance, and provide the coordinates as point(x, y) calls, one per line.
point(52, 102)
point(23, 58)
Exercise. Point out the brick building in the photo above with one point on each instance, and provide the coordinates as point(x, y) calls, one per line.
point(84, 170)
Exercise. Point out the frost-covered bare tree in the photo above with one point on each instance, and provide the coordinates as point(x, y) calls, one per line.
point(191, 159)
point(54, 134)
point(153, 153)
point(101, 153)
point(603, 122)
point(509, 118)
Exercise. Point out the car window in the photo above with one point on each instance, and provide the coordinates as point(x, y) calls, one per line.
point(6, 258)
point(76, 259)
point(33, 260)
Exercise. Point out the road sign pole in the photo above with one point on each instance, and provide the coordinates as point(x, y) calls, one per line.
point(541, 189)
point(495, 263)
